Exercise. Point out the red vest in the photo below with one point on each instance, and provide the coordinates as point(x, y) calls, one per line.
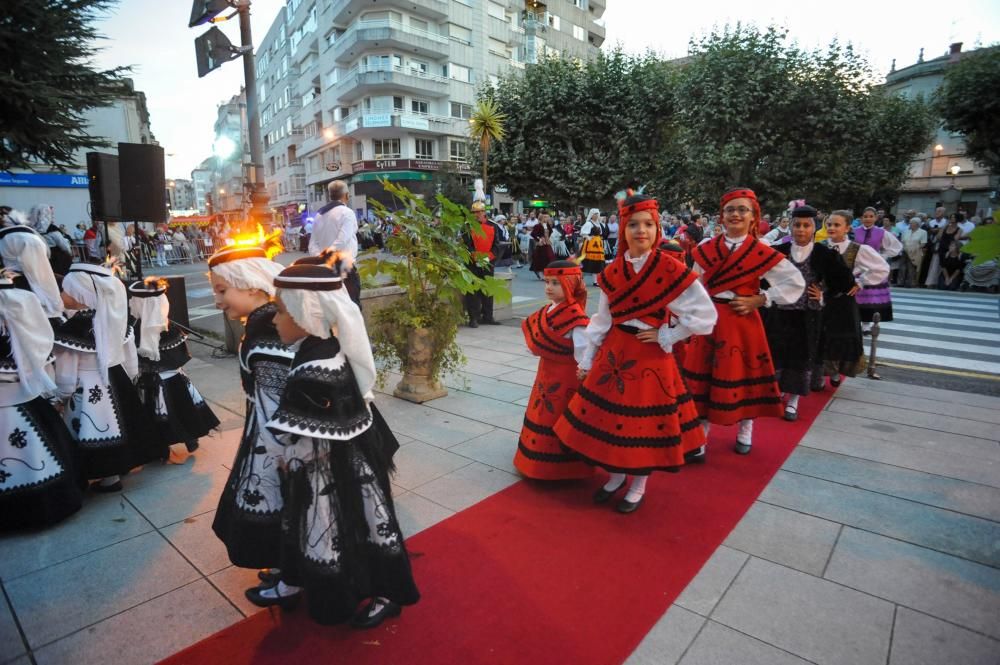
point(545, 331)
point(739, 271)
point(484, 243)
point(645, 296)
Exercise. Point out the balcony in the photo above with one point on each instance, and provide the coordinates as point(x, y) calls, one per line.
point(365, 35)
point(503, 31)
point(346, 11)
point(361, 80)
point(363, 125)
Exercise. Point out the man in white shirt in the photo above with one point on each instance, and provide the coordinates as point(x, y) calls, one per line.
point(336, 228)
point(914, 239)
point(967, 226)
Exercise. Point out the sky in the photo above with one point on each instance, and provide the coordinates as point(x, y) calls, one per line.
point(152, 36)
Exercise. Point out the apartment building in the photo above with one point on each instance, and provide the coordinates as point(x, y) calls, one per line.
point(356, 90)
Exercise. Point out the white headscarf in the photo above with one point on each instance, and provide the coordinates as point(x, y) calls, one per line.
point(97, 288)
point(323, 313)
point(26, 252)
point(31, 337)
point(245, 268)
point(152, 311)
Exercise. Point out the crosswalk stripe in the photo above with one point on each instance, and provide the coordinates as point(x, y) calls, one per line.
point(909, 300)
point(936, 344)
point(938, 360)
point(977, 325)
point(949, 312)
point(957, 335)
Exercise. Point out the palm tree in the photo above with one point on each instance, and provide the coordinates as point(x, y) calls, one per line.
point(486, 125)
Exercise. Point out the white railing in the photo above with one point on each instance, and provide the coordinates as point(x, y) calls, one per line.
point(395, 25)
point(397, 69)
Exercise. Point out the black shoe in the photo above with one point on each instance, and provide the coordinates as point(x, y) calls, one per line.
point(696, 456)
point(269, 577)
point(835, 381)
point(791, 414)
point(191, 445)
point(625, 506)
point(602, 495)
point(106, 489)
point(741, 448)
point(473, 324)
point(491, 322)
point(365, 620)
point(284, 602)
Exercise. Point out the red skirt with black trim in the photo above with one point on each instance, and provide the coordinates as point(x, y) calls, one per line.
point(730, 373)
point(632, 414)
point(539, 453)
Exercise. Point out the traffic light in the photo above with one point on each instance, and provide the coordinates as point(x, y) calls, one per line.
point(204, 11)
point(213, 49)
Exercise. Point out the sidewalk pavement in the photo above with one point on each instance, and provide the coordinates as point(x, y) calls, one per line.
point(877, 542)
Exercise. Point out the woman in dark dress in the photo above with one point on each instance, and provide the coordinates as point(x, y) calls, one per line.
point(542, 255)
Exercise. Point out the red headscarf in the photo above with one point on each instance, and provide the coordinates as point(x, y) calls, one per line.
point(744, 193)
point(632, 204)
point(571, 278)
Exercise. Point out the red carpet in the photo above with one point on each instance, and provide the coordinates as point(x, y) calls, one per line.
point(538, 573)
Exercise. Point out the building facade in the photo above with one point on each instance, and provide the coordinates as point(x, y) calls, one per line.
point(229, 195)
point(356, 91)
point(124, 121)
point(201, 182)
point(180, 196)
point(942, 175)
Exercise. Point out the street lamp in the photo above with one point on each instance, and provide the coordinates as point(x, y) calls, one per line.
point(223, 147)
point(328, 134)
point(955, 170)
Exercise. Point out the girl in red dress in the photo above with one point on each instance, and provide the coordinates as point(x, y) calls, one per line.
point(632, 414)
point(555, 334)
point(729, 372)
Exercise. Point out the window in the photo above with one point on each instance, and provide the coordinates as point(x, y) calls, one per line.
point(553, 21)
point(418, 67)
point(424, 149)
point(457, 150)
point(397, 103)
point(497, 47)
point(463, 111)
point(459, 73)
point(386, 148)
point(579, 33)
point(459, 34)
point(418, 24)
point(496, 11)
point(359, 151)
point(419, 106)
point(494, 80)
point(313, 164)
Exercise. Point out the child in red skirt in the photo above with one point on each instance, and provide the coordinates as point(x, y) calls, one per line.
point(555, 334)
point(729, 372)
point(632, 414)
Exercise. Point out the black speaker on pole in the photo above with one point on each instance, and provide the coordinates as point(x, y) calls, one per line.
point(143, 185)
point(177, 297)
point(102, 176)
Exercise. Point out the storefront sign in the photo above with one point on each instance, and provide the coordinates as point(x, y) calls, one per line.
point(378, 120)
point(66, 180)
point(414, 122)
point(414, 164)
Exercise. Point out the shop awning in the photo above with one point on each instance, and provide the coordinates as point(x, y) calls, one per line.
point(394, 176)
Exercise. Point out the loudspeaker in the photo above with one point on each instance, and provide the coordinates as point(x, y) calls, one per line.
point(102, 176)
point(177, 297)
point(143, 185)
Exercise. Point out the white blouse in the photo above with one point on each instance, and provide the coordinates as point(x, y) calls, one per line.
point(693, 310)
point(787, 283)
point(891, 246)
point(869, 266)
point(580, 339)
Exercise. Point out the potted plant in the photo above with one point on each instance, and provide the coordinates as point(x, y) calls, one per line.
point(429, 261)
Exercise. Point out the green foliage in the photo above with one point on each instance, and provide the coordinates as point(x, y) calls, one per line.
point(451, 183)
point(985, 244)
point(968, 104)
point(486, 126)
point(46, 47)
point(746, 108)
point(430, 261)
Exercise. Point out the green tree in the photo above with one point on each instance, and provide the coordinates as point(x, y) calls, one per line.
point(968, 104)
point(486, 126)
point(46, 47)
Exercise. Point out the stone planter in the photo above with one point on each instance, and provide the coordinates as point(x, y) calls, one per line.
point(416, 385)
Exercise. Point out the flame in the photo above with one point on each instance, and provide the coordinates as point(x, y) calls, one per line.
point(270, 243)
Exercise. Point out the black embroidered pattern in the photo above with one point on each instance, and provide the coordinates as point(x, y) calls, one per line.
point(623, 313)
point(617, 371)
point(18, 438)
point(654, 262)
point(629, 441)
point(634, 411)
point(538, 429)
point(4, 475)
point(552, 458)
point(252, 497)
point(544, 395)
point(95, 394)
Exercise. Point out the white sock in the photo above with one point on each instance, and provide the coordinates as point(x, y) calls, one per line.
point(109, 481)
point(793, 402)
point(379, 603)
point(636, 489)
point(705, 425)
point(784, 395)
point(280, 590)
point(866, 326)
point(745, 435)
point(615, 481)
point(700, 450)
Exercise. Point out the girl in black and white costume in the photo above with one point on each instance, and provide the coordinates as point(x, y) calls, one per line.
point(39, 482)
point(342, 544)
point(25, 252)
point(172, 402)
point(95, 364)
point(248, 519)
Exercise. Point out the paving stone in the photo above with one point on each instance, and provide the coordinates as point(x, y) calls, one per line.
point(666, 641)
point(924, 403)
point(232, 582)
point(11, 644)
point(717, 645)
point(494, 448)
point(949, 463)
point(919, 639)
point(483, 409)
point(490, 355)
point(103, 520)
point(799, 541)
point(467, 486)
point(484, 368)
point(943, 530)
point(171, 501)
point(198, 543)
point(146, 633)
point(932, 421)
point(810, 617)
point(504, 391)
point(923, 391)
point(435, 427)
point(957, 495)
point(528, 362)
point(947, 587)
point(703, 593)
point(524, 377)
point(416, 513)
point(61, 599)
point(418, 463)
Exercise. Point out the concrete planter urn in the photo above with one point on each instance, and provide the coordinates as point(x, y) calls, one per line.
point(417, 384)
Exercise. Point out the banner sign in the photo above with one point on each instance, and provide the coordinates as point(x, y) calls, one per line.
point(65, 180)
point(413, 164)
